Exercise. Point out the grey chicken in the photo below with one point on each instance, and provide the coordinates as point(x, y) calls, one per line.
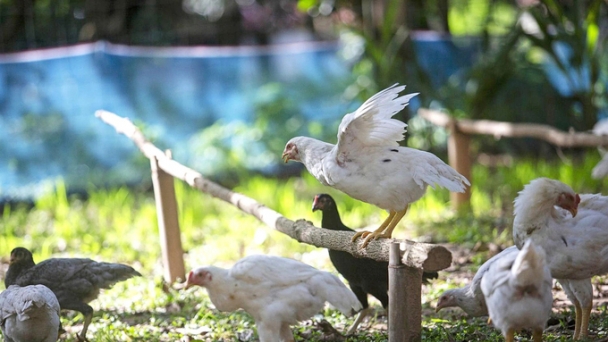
point(75, 281)
point(29, 314)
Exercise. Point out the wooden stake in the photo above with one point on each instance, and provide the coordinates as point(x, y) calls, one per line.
point(460, 159)
point(404, 299)
point(168, 223)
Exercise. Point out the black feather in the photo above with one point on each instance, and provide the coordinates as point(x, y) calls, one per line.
point(365, 276)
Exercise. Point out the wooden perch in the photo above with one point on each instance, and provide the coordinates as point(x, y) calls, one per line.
point(500, 129)
point(419, 255)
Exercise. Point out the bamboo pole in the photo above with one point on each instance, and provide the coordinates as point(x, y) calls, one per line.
point(404, 299)
point(168, 223)
point(428, 257)
point(499, 129)
point(397, 326)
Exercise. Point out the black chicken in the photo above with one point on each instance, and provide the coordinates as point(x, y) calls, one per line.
point(365, 276)
point(74, 281)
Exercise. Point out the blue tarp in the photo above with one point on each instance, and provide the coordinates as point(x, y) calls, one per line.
point(48, 99)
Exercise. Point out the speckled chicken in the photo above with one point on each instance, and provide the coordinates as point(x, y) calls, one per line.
point(74, 281)
point(29, 314)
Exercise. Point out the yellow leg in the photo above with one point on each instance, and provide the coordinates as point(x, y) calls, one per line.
point(577, 320)
point(379, 230)
point(510, 335)
point(385, 230)
point(537, 335)
point(585, 315)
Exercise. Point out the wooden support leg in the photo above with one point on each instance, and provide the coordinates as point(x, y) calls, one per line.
point(404, 299)
point(168, 224)
point(459, 158)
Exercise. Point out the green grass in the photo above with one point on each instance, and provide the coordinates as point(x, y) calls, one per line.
point(120, 225)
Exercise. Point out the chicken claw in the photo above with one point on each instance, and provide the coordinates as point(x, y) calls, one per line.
point(384, 231)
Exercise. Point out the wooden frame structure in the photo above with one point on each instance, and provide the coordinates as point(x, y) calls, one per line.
point(407, 259)
point(461, 130)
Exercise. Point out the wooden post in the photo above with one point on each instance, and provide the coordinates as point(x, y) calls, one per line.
point(404, 299)
point(459, 157)
point(168, 223)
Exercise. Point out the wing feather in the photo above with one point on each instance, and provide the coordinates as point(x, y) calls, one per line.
point(256, 269)
point(372, 124)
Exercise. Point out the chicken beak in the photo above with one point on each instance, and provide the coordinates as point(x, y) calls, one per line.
point(189, 282)
point(285, 157)
point(314, 204)
point(573, 211)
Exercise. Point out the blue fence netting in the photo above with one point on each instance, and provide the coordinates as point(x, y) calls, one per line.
point(48, 99)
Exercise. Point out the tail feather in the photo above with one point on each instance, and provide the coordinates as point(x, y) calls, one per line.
point(332, 290)
point(107, 274)
point(529, 265)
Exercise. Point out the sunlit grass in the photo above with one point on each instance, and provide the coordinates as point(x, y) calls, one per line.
point(120, 225)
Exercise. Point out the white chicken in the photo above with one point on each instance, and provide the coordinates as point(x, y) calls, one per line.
point(575, 243)
point(601, 169)
point(368, 164)
point(517, 290)
point(470, 297)
point(276, 291)
point(29, 314)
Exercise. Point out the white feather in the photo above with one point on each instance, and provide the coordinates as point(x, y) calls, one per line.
point(367, 162)
point(277, 292)
point(29, 314)
point(517, 290)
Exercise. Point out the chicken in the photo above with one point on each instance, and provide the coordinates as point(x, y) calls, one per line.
point(601, 169)
point(29, 314)
point(470, 297)
point(365, 276)
point(517, 290)
point(74, 281)
point(573, 231)
point(368, 164)
point(276, 291)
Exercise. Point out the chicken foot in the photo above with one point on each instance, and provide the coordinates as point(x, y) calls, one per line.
point(362, 314)
point(384, 231)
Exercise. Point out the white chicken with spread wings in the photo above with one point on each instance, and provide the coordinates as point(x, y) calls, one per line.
point(517, 290)
point(368, 164)
point(29, 314)
point(573, 231)
point(277, 292)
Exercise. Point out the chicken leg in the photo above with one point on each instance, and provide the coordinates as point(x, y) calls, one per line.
point(362, 314)
point(385, 230)
point(577, 320)
point(580, 293)
point(510, 335)
point(585, 315)
point(537, 336)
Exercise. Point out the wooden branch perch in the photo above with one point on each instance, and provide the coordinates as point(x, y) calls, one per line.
point(419, 255)
point(514, 130)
